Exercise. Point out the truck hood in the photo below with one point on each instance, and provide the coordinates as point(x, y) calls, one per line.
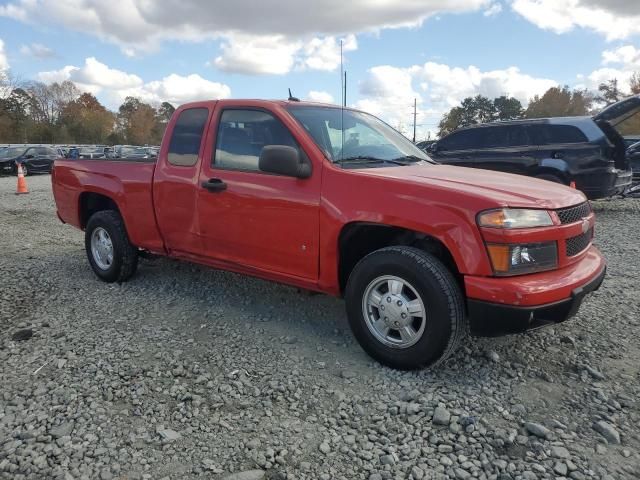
point(505, 189)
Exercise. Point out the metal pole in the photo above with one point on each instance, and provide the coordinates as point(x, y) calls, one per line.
point(415, 104)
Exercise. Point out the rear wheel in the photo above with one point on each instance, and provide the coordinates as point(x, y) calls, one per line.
point(110, 254)
point(405, 308)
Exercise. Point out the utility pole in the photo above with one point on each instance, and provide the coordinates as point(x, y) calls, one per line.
point(415, 113)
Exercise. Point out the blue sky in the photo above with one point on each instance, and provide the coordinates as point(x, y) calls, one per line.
point(437, 51)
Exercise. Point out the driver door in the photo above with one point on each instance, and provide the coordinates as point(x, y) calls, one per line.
point(259, 220)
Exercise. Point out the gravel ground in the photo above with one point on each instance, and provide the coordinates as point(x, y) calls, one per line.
point(186, 372)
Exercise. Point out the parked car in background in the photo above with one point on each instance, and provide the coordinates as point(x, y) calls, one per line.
point(95, 152)
point(424, 145)
point(633, 157)
point(631, 139)
point(131, 152)
point(585, 150)
point(33, 159)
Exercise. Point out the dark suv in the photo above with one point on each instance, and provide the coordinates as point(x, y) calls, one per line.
point(585, 150)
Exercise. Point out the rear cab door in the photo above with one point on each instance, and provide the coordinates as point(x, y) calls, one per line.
point(175, 181)
point(255, 219)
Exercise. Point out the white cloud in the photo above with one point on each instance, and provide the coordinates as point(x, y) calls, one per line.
point(277, 55)
point(324, 53)
point(93, 77)
point(272, 54)
point(389, 91)
point(141, 25)
point(493, 10)
point(114, 85)
point(620, 63)
point(37, 50)
point(626, 55)
point(4, 63)
point(615, 19)
point(320, 96)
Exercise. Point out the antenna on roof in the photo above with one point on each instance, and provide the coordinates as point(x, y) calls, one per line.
point(292, 98)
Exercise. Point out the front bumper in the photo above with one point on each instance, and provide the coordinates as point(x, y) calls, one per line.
point(563, 291)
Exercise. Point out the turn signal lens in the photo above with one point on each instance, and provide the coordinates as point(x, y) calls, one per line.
point(514, 218)
point(519, 259)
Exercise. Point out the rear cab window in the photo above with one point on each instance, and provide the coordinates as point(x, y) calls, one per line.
point(186, 137)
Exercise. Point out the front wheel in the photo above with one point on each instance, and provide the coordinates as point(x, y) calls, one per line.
point(405, 308)
point(111, 255)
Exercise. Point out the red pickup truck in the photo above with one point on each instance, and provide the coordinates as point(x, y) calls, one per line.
point(334, 200)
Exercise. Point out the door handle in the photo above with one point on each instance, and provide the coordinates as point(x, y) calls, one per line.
point(214, 185)
point(557, 155)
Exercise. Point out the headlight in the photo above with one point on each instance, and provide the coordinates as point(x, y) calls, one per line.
point(514, 218)
point(521, 258)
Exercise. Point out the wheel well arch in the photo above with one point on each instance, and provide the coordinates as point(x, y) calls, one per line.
point(92, 202)
point(358, 239)
point(561, 174)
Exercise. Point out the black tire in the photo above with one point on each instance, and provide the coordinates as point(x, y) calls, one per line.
point(445, 319)
point(550, 177)
point(125, 255)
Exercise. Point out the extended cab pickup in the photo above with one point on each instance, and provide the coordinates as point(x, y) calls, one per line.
point(336, 201)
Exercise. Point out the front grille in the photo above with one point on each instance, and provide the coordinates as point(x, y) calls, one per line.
point(574, 214)
point(577, 244)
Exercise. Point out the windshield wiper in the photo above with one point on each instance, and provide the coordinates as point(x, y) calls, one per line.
point(369, 159)
point(407, 159)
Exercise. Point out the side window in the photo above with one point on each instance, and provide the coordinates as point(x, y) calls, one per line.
point(453, 141)
point(242, 134)
point(516, 136)
point(545, 134)
point(495, 137)
point(566, 134)
point(187, 137)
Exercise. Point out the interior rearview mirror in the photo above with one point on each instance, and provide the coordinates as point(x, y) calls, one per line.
point(284, 160)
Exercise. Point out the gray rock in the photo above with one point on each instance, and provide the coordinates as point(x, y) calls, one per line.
point(441, 416)
point(493, 356)
point(560, 468)
point(387, 460)
point(168, 434)
point(324, 448)
point(22, 335)
point(62, 430)
point(560, 452)
point(608, 431)
point(537, 430)
point(246, 475)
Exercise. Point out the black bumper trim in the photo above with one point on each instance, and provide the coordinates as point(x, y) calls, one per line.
point(487, 319)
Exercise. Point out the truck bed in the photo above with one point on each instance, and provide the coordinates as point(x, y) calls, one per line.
point(127, 182)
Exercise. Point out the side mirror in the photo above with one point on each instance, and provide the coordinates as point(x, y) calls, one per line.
point(284, 160)
point(433, 148)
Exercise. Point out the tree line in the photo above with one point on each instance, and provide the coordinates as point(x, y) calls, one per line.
point(34, 112)
point(555, 102)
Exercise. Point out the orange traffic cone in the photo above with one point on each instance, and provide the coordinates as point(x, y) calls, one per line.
point(22, 183)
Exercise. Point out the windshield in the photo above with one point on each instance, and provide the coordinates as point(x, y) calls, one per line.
point(346, 135)
point(11, 152)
